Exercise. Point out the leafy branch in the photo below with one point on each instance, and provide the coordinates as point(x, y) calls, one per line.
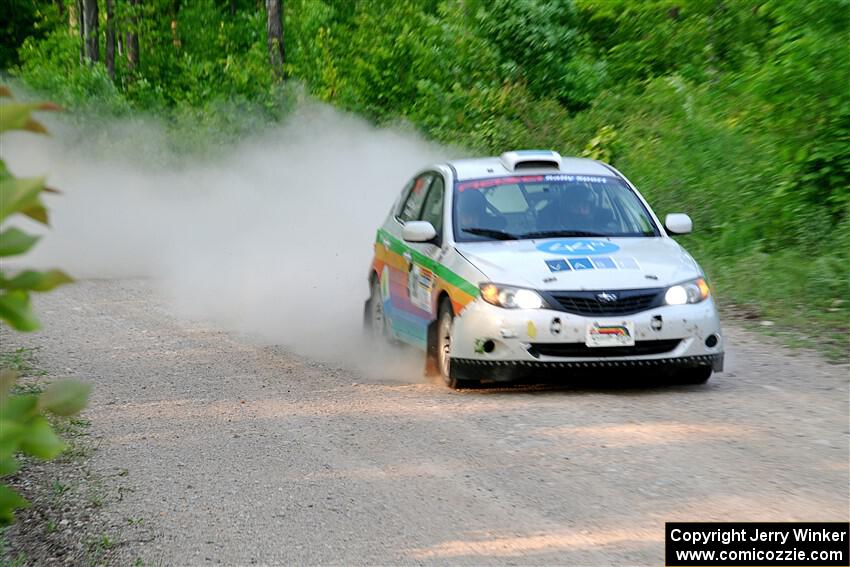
point(23, 425)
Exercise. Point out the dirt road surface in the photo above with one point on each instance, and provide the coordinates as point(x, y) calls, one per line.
point(230, 452)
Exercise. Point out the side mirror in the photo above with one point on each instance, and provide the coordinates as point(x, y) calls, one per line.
point(418, 231)
point(678, 223)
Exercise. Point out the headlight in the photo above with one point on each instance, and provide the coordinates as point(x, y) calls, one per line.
point(511, 297)
point(688, 292)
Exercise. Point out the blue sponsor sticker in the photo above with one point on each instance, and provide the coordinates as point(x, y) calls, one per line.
point(586, 246)
point(604, 263)
point(627, 263)
point(558, 265)
point(580, 263)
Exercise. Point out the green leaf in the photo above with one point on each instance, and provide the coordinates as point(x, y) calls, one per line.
point(37, 281)
point(15, 309)
point(33, 125)
point(15, 241)
point(10, 433)
point(20, 408)
point(36, 212)
point(18, 116)
point(14, 115)
point(9, 502)
point(7, 380)
point(20, 195)
point(67, 397)
point(40, 441)
point(8, 465)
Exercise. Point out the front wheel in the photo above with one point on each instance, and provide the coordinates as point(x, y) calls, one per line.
point(444, 347)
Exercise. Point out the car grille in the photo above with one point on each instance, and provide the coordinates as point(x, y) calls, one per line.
point(577, 350)
point(588, 303)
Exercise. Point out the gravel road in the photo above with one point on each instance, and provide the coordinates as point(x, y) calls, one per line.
point(232, 452)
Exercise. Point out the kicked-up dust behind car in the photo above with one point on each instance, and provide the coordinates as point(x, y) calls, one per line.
point(269, 238)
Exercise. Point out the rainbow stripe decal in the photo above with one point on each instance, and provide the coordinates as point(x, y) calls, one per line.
point(616, 330)
point(410, 286)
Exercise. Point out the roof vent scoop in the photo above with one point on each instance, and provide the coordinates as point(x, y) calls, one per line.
point(531, 159)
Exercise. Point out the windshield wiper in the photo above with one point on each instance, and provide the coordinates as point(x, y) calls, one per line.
point(492, 233)
point(553, 233)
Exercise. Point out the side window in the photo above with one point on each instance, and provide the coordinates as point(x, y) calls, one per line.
point(432, 211)
point(412, 206)
point(399, 203)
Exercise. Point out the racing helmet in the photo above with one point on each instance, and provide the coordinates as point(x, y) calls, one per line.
point(472, 203)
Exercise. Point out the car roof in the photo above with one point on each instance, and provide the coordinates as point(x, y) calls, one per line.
point(480, 168)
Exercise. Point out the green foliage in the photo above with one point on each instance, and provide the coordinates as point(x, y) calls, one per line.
point(23, 426)
point(18, 20)
point(201, 67)
point(21, 196)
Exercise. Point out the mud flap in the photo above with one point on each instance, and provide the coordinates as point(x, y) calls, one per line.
point(470, 371)
point(431, 368)
point(717, 363)
point(367, 320)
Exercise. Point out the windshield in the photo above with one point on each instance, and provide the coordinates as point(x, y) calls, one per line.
point(545, 206)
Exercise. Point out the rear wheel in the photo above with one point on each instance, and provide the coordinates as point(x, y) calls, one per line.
point(445, 320)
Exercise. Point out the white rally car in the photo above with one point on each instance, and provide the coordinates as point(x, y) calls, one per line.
point(531, 264)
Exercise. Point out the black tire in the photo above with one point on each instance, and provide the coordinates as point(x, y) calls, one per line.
point(443, 338)
point(698, 375)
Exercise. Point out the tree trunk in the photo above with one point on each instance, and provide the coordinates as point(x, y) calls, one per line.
point(175, 36)
point(60, 8)
point(110, 38)
point(72, 15)
point(90, 37)
point(132, 40)
point(81, 25)
point(274, 27)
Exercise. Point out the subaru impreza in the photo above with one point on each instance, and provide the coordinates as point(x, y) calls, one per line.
point(531, 263)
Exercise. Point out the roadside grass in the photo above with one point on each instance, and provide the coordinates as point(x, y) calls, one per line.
point(97, 547)
point(21, 360)
point(139, 562)
point(780, 296)
point(19, 560)
point(63, 493)
point(58, 489)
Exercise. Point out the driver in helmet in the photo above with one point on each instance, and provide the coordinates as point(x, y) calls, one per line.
point(568, 210)
point(473, 211)
point(578, 211)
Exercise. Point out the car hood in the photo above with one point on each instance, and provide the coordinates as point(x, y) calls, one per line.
point(582, 263)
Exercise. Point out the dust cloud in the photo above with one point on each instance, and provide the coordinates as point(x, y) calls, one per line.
point(272, 239)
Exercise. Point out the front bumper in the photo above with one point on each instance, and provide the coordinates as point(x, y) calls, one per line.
point(505, 344)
